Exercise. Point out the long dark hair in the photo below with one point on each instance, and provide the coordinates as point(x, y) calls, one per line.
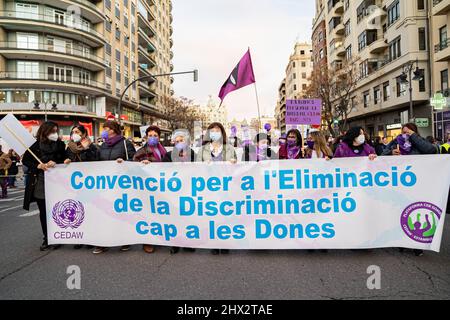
point(412, 126)
point(45, 130)
point(222, 129)
point(298, 135)
point(352, 134)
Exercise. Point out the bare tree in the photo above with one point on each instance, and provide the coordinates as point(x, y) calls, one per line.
point(336, 88)
point(181, 113)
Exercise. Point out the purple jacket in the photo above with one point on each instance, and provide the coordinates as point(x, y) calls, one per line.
point(344, 151)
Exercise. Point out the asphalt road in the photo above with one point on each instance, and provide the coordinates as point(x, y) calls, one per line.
point(26, 273)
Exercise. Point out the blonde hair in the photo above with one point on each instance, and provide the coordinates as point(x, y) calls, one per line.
point(320, 144)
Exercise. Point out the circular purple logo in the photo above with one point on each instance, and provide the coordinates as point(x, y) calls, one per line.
point(68, 214)
point(420, 220)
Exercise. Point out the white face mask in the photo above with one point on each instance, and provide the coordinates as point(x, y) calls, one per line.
point(361, 139)
point(76, 138)
point(53, 137)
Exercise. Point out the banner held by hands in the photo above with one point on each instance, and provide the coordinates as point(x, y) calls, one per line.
point(17, 137)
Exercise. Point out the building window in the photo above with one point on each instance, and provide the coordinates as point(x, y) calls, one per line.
point(401, 88)
point(386, 91)
point(421, 4)
point(444, 81)
point(422, 39)
point(376, 95)
point(27, 70)
point(395, 51)
point(422, 84)
point(348, 53)
point(393, 12)
point(366, 98)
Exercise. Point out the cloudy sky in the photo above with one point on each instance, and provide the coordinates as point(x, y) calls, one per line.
point(213, 35)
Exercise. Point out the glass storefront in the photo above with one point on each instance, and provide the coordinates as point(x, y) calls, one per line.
point(442, 124)
point(30, 96)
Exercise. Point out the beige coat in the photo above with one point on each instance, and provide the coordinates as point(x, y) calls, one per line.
point(204, 154)
point(5, 161)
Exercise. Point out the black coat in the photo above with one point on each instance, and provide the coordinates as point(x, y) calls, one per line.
point(14, 170)
point(117, 151)
point(419, 146)
point(91, 154)
point(54, 151)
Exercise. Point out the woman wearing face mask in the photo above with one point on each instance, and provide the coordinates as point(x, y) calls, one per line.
point(153, 151)
point(354, 145)
point(409, 143)
point(293, 148)
point(115, 148)
point(81, 149)
point(317, 146)
point(51, 151)
point(216, 149)
point(183, 153)
point(260, 151)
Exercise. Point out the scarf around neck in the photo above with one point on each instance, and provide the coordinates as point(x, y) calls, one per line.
point(111, 142)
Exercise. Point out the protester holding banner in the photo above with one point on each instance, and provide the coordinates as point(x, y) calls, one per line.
point(5, 164)
point(216, 147)
point(293, 149)
point(317, 146)
point(409, 143)
point(51, 151)
point(80, 147)
point(115, 148)
point(354, 144)
point(182, 152)
point(260, 151)
point(153, 151)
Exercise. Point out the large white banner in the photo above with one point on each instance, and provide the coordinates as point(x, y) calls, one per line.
point(302, 204)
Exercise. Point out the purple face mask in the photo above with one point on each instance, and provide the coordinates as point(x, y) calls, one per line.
point(291, 142)
point(105, 135)
point(310, 144)
point(153, 141)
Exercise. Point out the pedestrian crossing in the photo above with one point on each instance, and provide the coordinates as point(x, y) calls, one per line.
point(14, 202)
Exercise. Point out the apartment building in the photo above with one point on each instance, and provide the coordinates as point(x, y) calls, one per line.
point(71, 60)
point(385, 39)
point(440, 58)
point(296, 82)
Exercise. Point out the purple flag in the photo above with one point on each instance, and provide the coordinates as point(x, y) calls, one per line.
point(241, 76)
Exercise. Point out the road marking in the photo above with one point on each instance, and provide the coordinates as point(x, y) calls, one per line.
point(11, 199)
point(11, 208)
point(15, 191)
point(30, 214)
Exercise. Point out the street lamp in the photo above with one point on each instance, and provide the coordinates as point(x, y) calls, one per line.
point(194, 72)
point(36, 107)
point(407, 77)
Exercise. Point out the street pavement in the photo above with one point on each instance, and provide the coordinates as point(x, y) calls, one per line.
point(27, 273)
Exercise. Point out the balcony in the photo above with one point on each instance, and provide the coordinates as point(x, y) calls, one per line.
point(64, 27)
point(338, 8)
point(171, 67)
point(145, 57)
point(378, 46)
point(63, 109)
point(144, 39)
point(442, 51)
point(441, 7)
point(339, 30)
point(53, 53)
point(340, 51)
point(40, 80)
point(87, 9)
point(145, 72)
point(145, 91)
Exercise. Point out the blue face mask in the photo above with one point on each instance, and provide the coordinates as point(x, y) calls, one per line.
point(153, 141)
point(215, 136)
point(181, 146)
point(105, 135)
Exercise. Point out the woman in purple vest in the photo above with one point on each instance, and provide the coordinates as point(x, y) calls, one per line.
point(354, 144)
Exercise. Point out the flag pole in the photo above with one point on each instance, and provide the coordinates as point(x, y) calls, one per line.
point(259, 110)
point(22, 143)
